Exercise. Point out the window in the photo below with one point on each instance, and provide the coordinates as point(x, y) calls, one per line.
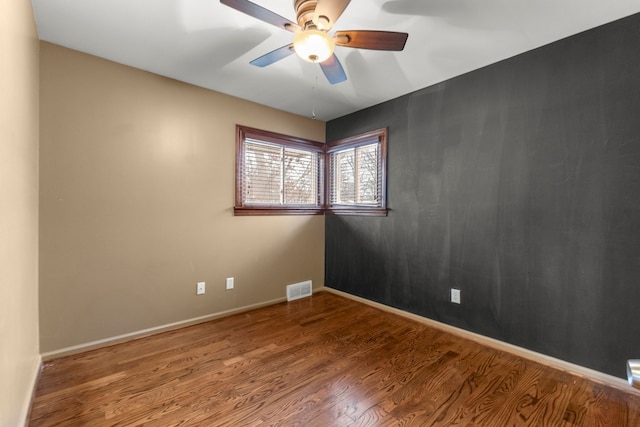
point(278, 174)
point(282, 175)
point(357, 174)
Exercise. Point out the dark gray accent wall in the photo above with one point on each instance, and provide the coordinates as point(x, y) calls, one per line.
point(518, 184)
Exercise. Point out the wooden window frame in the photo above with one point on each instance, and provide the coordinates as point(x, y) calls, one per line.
point(243, 133)
point(324, 152)
point(377, 136)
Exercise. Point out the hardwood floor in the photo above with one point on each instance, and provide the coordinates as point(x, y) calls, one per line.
point(319, 361)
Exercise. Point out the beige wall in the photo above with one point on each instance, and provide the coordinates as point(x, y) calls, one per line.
point(19, 358)
point(137, 191)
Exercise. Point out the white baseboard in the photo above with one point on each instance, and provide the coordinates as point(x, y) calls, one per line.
point(33, 383)
point(560, 364)
point(67, 351)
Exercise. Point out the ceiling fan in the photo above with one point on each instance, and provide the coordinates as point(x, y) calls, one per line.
point(311, 41)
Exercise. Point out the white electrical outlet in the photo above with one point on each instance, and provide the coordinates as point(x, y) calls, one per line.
point(229, 282)
point(455, 296)
point(200, 288)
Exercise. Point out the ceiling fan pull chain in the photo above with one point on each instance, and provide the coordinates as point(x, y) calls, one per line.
point(313, 102)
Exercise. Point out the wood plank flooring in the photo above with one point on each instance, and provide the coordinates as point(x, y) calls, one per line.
point(319, 361)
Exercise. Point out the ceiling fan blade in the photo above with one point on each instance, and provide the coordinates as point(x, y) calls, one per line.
point(273, 56)
point(376, 40)
point(327, 12)
point(333, 70)
point(262, 14)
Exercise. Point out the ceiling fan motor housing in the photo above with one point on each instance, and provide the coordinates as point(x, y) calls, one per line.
point(305, 9)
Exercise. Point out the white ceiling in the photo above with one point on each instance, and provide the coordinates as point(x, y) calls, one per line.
point(207, 44)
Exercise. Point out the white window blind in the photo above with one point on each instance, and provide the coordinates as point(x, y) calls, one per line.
point(356, 178)
point(278, 175)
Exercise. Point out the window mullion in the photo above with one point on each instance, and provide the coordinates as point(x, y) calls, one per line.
point(356, 171)
point(282, 168)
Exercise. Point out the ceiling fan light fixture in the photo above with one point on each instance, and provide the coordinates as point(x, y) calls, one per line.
point(313, 45)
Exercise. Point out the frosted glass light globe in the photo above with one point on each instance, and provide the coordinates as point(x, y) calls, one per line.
point(313, 45)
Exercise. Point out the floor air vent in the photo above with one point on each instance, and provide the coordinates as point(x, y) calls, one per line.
point(299, 290)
